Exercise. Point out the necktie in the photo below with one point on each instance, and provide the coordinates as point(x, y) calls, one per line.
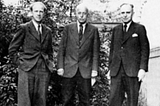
point(80, 32)
point(125, 27)
point(124, 31)
point(39, 32)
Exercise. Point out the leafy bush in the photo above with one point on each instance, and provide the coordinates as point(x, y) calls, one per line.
point(10, 18)
point(100, 93)
point(8, 86)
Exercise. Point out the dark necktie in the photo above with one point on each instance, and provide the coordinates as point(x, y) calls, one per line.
point(124, 31)
point(125, 27)
point(39, 32)
point(80, 32)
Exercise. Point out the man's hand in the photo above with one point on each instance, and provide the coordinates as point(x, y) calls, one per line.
point(60, 71)
point(94, 73)
point(141, 74)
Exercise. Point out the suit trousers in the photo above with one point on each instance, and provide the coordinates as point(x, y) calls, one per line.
point(79, 84)
point(124, 87)
point(32, 85)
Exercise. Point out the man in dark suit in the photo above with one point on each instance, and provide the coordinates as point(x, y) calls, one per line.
point(33, 43)
point(78, 57)
point(129, 55)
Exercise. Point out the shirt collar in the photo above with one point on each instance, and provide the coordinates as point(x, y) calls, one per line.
point(128, 25)
point(84, 26)
point(36, 25)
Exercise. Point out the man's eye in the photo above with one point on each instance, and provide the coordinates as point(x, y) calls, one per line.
point(126, 12)
point(83, 13)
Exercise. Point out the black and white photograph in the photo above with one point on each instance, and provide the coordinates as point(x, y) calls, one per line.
point(79, 53)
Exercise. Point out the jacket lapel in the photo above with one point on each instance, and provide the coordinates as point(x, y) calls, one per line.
point(86, 34)
point(129, 32)
point(32, 30)
point(120, 34)
point(74, 33)
point(44, 33)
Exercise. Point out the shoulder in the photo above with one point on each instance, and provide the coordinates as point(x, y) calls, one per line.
point(118, 26)
point(91, 26)
point(23, 25)
point(47, 28)
point(140, 28)
point(138, 25)
point(71, 24)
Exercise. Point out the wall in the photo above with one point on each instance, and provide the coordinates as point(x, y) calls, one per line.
point(151, 83)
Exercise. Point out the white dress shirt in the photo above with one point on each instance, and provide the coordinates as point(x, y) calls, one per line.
point(128, 25)
point(36, 26)
point(84, 26)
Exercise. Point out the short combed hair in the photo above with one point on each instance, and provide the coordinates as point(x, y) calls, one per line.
point(82, 5)
point(132, 6)
point(35, 3)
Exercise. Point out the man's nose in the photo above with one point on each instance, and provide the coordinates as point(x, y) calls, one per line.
point(81, 15)
point(125, 14)
point(39, 12)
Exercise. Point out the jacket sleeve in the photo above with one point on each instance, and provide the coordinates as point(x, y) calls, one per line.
point(50, 47)
point(111, 48)
point(96, 50)
point(145, 48)
point(62, 49)
point(16, 43)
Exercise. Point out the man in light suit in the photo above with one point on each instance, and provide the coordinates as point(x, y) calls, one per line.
point(33, 43)
point(78, 57)
point(129, 55)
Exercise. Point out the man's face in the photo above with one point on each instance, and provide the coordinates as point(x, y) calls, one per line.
point(38, 12)
point(81, 14)
point(126, 13)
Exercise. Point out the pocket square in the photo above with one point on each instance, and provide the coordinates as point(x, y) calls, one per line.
point(135, 35)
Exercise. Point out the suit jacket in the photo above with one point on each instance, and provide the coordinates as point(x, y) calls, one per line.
point(132, 51)
point(27, 44)
point(73, 55)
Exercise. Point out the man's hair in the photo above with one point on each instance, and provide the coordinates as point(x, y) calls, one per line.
point(132, 6)
point(82, 5)
point(35, 3)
